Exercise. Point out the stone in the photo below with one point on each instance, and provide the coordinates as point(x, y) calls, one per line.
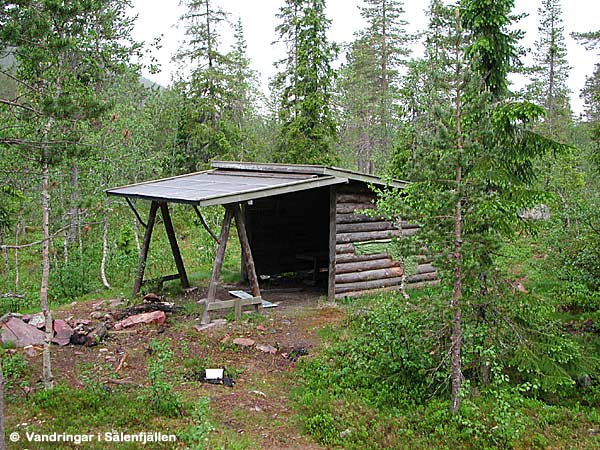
point(97, 315)
point(30, 351)
point(266, 348)
point(62, 332)
point(38, 321)
point(243, 342)
point(20, 333)
point(215, 323)
point(158, 317)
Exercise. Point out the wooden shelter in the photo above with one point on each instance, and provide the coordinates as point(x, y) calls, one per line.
point(289, 218)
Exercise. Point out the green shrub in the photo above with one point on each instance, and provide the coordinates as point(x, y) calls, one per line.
point(160, 393)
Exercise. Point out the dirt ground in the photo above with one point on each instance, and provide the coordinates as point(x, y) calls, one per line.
point(258, 405)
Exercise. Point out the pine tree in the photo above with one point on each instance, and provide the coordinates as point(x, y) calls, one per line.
point(308, 129)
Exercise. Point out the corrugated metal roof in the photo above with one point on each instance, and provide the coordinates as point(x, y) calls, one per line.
point(238, 182)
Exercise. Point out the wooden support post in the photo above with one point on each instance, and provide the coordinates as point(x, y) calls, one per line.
point(332, 244)
point(216, 271)
point(247, 253)
point(237, 308)
point(164, 209)
point(139, 275)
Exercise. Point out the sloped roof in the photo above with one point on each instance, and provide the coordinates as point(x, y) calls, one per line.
point(232, 182)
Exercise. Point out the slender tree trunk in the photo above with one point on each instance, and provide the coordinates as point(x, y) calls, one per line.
point(136, 235)
point(2, 441)
point(46, 363)
point(17, 229)
point(73, 199)
point(455, 349)
point(104, 244)
point(5, 256)
point(63, 220)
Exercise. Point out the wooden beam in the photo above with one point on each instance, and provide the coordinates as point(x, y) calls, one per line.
point(216, 271)
point(164, 209)
point(332, 244)
point(226, 304)
point(246, 251)
point(139, 274)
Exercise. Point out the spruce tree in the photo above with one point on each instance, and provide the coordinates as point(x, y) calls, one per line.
point(472, 167)
point(551, 70)
point(203, 85)
point(370, 83)
point(307, 126)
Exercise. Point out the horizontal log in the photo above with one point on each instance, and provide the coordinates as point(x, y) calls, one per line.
point(345, 238)
point(364, 285)
point(364, 226)
point(371, 226)
point(422, 277)
point(354, 218)
point(344, 248)
point(348, 208)
point(368, 275)
point(352, 258)
point(355, 198)
point(385, 289)
point(362, 266)
point(425, 268)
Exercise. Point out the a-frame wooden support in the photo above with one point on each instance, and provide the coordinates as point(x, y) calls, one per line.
point(232, 211)
point(139, 275)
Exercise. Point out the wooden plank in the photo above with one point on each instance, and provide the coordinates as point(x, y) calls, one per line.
point(345, 258)
point(368, 275)
point(344, 248)
point(246, 251)
point(349, 208)
point(363, 266)
point(225, 304)
point(332, 244)
point(164, 209)
point(218, 263)
point(364, 285)
point(139, 273)
point(346, 238)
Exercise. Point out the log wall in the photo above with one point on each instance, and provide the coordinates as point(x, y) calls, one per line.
point(358, 274)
